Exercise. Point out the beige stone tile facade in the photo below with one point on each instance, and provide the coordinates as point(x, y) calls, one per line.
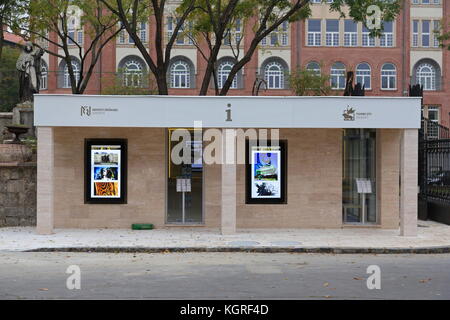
point(314, 178)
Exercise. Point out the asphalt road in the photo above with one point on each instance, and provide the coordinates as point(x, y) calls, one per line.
point(222, 276)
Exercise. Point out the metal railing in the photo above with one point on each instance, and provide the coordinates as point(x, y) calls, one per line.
point(434, 161)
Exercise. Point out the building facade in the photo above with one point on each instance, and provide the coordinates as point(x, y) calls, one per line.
point(407, 53)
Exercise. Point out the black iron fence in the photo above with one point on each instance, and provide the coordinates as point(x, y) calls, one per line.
point(434, 171)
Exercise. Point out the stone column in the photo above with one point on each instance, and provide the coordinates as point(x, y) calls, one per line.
point(228, 198)
point(408, 182)
point(45, 169)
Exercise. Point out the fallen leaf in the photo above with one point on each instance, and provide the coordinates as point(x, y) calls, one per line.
point(326, 284)
point(43, 289)
point(357, 278)
point(424, 280)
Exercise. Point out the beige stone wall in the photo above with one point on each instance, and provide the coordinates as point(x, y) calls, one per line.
point(146, 179)
point(314, 179)
point(388, 164)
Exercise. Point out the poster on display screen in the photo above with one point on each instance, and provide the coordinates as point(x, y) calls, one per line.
point(266, 182)
point(105, 171)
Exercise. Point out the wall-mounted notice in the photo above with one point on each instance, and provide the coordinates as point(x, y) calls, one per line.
point(105, 171)
point(266, 174)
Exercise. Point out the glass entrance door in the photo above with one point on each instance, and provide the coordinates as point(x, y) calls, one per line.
point(185, 181)
point(359, 173)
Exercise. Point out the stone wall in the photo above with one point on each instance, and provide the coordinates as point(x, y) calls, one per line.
point(18, 195)
point(5, 120)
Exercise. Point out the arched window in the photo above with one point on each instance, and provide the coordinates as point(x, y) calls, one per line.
point(338, 76)
point(223, 71)
point(44, 76)
point(388, 77)
point(363, 75)
point(132, 70)
point(426, 76)
point(76, 72)
point(274, 75)
point(180, 74)
point(314, 67)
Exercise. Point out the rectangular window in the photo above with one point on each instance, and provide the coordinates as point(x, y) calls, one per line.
point(415, 37)
point(350, 33)
point(433, 116)
point(436, 33)
point(80, 38)
point(143, 32)
point(284, 32)
point(332, 33)
point(105, 170)
point(169, 27)
point(387, 38)
point(359, 176)
point(314, 32)
point(425, 33)
point(367, 40)
point(122, 37)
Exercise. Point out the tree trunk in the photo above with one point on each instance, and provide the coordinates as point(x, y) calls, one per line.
point(161, 81)
point(2, 38)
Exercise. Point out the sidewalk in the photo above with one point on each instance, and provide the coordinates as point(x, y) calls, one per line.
point(432, 238)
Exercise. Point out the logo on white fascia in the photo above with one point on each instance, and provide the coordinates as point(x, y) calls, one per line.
point(87, 111)
point(350, 114)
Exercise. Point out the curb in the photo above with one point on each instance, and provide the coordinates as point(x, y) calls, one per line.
point(326, 250)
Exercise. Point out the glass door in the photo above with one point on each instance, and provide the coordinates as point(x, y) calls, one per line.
point(185, 182)
point(359, 173)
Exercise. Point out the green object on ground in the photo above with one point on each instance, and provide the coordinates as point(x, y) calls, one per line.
point(142, 226)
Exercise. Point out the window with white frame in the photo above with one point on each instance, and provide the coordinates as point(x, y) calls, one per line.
point(363, 75)
point(74, 35)
point(132, 73)
point(121, 37)
point(314, 32)
point(43, 83)
point(432, 113)
point(337, 76)
point(332, 33)
point(431, 2)
point(367, 40)
point(184, 37)
point(388, 77)
point(314, 67)
point(274, 75)
point(436, 33)
point(142, 32)
point(233, 36)
point(76, 72)
point(180, 74)
point(415, 35)
point(425, 33)
point(387, 37)
point(426, 76)
point(223, 71)
point(350, 33)
point(278, 37)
